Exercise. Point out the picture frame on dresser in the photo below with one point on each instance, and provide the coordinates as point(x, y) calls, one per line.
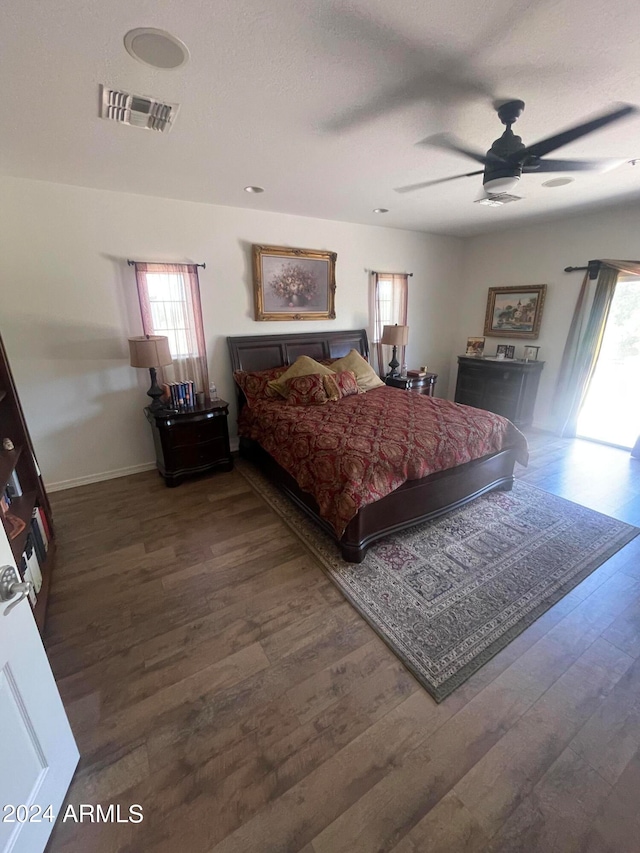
point(475, 347)
point(515, 312)
point(505, 351)
point(294, 284)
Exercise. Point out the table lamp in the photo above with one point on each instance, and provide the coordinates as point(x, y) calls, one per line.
point(394, 336)
point(151, 351)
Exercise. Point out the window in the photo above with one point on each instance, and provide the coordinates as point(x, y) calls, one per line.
point(385, 304)
point(389, 297)
point(169, 297)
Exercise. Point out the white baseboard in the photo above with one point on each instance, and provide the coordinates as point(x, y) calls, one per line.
point(98, 478)
point(112, 475)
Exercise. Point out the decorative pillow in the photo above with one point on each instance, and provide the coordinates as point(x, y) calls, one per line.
point(366, 377)
point(302, 366)
point(255, 385)
point(342, 384)
point(306, 390)
point(331, 387)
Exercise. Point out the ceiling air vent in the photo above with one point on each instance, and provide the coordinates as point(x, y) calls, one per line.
point(498, 199)
point(137, 110)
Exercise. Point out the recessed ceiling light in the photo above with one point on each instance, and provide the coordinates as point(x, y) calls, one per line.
point(254, 189)
point(157, 48)
point(558, 182)
point(381, 210)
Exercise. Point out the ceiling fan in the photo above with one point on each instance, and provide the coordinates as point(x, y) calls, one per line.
point(508, 158)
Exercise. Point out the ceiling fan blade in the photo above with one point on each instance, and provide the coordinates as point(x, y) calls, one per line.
point(410, 69)
point(412, 187)
point(452, 143)
point(545, 165)
point(545, 146)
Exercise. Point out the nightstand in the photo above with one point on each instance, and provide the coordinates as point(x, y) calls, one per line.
point(420, 384)
point(190, 442)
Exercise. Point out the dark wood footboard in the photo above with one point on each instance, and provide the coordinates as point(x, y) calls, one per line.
point(411, 503)
point(420, 500)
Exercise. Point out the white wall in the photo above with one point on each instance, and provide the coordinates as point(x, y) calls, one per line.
point(538, 254)
point(68, 304)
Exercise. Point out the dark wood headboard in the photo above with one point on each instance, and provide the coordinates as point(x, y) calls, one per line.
point(260, 352)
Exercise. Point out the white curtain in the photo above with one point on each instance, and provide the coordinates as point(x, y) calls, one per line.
point(389, 298)
point(584, 341)
point(169, 297)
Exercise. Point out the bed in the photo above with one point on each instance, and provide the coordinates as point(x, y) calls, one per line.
point(415, 500)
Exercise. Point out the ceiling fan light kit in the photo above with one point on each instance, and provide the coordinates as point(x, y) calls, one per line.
point(508, 158)
point(495, 186)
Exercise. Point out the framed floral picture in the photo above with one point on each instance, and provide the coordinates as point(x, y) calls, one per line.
point(515, 312)
point(294, 284)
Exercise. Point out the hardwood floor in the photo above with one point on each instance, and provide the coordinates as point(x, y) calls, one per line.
point(212, 674)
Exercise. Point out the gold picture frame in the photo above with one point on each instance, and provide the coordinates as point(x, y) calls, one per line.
point(515, 312)
point(294, 284)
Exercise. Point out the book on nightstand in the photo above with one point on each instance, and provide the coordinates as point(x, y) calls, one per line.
point(416, 374)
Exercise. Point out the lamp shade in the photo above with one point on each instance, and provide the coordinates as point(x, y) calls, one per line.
point(149, 351)
point(395, 336)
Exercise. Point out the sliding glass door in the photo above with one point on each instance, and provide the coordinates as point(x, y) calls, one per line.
point(611, 410)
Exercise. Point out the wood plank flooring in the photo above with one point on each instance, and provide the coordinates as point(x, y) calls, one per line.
point(213, 675)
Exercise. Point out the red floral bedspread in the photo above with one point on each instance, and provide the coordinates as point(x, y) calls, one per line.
point(353, 452)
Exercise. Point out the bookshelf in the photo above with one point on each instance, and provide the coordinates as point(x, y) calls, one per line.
point(24, 505)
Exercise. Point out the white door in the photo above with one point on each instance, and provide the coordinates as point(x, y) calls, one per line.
point(38, 754)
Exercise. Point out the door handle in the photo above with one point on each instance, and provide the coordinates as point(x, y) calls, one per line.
point(10, 585)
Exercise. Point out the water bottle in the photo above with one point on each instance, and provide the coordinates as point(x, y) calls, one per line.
point(213, 391)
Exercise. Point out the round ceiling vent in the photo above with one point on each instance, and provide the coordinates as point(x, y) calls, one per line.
point(157, 48)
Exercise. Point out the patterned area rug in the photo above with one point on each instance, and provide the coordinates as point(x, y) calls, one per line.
point(448, 594)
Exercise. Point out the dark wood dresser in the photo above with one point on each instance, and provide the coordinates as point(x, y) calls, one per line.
point(420, 384)
point(506, 387)
point(191, 442)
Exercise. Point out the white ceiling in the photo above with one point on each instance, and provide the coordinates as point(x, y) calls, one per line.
point(302, 97)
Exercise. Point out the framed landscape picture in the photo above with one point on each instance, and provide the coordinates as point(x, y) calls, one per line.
point(515, 312)
point(294, 284)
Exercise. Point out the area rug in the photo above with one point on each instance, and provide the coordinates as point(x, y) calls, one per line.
point(448, 594)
